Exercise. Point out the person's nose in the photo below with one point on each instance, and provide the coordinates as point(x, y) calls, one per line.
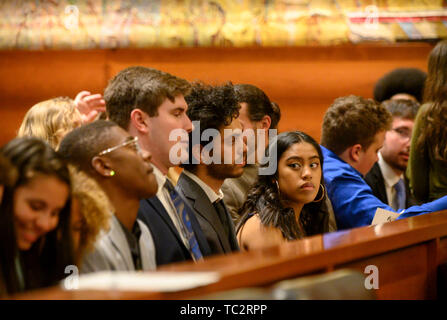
point(46, 222)
point(146, 155)
point(306, 173)
point(188, 126)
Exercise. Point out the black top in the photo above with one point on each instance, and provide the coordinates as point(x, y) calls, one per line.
point(133, 239)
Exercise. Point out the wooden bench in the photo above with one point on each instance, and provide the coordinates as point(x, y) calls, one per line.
point(406, 252)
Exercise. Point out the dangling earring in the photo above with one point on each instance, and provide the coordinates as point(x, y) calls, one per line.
point(112, 173)
point(322, 194)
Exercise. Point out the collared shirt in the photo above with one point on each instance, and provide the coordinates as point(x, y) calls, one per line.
point(390, 178)
point(212, 195)
point(352, 199)
point(165, 199)
point(133, 239)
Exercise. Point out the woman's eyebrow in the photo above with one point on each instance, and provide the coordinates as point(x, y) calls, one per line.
point(300, 158)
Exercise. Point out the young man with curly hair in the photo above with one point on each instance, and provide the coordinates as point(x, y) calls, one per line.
point(215, 108)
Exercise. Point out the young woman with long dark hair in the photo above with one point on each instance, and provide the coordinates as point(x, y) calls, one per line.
point(291, 203)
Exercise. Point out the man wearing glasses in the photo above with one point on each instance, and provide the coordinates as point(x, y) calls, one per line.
point(387, 176)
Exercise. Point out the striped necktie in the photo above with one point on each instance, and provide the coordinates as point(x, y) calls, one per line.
point(185, 221)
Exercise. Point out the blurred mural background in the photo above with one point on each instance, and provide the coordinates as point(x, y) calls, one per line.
point(302, 53)
point(87, 24)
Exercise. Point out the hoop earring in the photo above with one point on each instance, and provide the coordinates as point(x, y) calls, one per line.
point(322, 194)
point(277, 186)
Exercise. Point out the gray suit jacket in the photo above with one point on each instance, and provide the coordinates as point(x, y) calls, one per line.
point(235, 190)
point(112, 250)
point(208, 217)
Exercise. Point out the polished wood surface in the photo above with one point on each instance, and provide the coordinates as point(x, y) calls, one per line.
point(406, 252)
point(304, 81)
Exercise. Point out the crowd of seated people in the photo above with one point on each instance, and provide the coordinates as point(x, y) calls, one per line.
point(86, 181)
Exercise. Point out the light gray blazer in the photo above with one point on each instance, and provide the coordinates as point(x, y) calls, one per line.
point(112, 251)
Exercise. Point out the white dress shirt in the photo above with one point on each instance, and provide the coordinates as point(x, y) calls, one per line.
point(213, 196)
point(390, 178)
point(166, 201)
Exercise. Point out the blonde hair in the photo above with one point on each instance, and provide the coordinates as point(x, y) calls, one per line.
point(96, 209)
point(50, 120)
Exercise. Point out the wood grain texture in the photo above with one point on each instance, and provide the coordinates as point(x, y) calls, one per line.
point(406, 253)
point(304, 81)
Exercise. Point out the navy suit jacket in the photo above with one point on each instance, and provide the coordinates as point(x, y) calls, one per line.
point(169, 247)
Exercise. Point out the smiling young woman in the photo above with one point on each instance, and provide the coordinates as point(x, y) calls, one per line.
point(35, 241)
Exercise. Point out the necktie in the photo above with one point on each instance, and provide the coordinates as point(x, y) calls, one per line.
point(399, 198)
point(185, 221)
point(219, 206)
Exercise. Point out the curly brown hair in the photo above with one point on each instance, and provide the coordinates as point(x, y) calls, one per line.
point(96, 209)
point(353, 120)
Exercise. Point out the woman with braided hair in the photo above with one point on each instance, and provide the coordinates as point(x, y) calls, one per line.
point(290, 204)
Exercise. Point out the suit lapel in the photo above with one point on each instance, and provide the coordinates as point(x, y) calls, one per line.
point(119, 241)
point(233, 240)
point(380, 183)
point(203, 206)
point(161, 211)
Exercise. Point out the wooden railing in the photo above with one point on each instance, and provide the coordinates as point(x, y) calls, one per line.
point(406, 253)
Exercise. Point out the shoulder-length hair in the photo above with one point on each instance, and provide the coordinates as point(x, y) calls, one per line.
point(264, 197)
point(50, 120)
point(44, 263)
point(433, 137)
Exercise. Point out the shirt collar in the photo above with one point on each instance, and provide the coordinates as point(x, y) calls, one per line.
point(390, 177)
point(161, 179)
point(213, 196)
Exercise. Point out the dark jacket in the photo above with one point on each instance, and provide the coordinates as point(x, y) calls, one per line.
point(208, 217)
point(169, 247)
point(374, 178)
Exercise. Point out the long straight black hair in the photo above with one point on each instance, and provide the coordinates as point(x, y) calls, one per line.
point(44, 263)
point(264, 197)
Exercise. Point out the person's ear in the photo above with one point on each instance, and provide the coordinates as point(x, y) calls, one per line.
point(139, 120)
point(265, 122)
point(102, 166)
point(354, 152)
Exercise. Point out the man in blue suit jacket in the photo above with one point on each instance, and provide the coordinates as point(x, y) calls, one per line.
point(352, 134)
point(150, 104)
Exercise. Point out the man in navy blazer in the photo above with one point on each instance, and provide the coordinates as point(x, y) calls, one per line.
point(150, 104)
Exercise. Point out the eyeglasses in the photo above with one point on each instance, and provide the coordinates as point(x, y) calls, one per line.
point(403, 132)
point(131, 142)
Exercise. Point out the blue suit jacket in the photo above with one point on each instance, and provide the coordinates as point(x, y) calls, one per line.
point(169, 247)
point(353, 200)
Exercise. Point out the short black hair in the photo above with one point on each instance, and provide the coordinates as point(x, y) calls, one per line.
point(213, 106)
point(258, 103)
point(80, 145)
point(401, 80)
